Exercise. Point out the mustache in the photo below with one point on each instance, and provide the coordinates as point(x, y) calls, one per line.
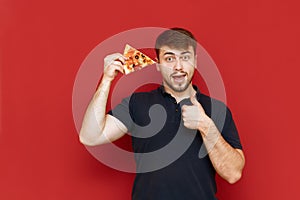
point(179, 73)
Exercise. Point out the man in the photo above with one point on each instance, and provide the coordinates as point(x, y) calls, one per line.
point(198, 120)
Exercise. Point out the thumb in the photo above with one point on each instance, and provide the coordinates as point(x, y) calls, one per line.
point(194, 100)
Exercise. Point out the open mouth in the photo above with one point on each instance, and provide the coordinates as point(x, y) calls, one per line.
point(179, 77)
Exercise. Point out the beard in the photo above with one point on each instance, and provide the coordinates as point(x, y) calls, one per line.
point(179, 87)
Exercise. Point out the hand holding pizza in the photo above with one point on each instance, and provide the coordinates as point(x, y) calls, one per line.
point(113, 64)
point(130, 61)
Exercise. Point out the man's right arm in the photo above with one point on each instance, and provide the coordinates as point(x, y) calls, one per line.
point(97, 126)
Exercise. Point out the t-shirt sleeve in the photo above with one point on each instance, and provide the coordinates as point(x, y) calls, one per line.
point(227, 127)
point(122, 113)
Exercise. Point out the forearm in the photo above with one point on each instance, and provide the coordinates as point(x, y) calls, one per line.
point(94, 119)
point(227, 161)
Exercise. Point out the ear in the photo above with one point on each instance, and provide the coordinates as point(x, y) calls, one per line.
point(157, 67)
point(157, 64)
point(196, 61)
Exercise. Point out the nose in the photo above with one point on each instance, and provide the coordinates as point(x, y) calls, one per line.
point(178, 65)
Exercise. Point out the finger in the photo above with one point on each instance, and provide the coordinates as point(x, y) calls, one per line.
point(108, 60)
point(114, 68)
point(117, 66)
point(113, 56)
point(120, 69)
point(113, 65)
point(117, 63)
point(121, 58)
point(194, 100)
point(183, 108)
point(113, 62)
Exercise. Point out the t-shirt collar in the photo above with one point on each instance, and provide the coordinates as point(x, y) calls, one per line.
point(163, 91)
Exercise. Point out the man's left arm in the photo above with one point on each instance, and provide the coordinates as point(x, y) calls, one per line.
point(227, 161)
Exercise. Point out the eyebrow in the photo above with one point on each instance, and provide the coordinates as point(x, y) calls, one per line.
point(171, 53)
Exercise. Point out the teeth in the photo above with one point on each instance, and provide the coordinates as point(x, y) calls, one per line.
point(179, 75)
point(179, 78)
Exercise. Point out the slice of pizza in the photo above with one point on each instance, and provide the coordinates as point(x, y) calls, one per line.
point(136, 60)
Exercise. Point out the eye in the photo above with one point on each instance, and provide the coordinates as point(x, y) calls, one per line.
point(169, 59)
point(185, 58)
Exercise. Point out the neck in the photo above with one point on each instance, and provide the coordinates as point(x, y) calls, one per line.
point(190, 91)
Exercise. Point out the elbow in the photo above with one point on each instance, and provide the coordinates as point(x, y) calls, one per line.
point(234, 178)
point(83, 140)
point(87, 141)
point(236, 174)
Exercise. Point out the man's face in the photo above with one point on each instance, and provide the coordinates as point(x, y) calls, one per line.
point(177, 67)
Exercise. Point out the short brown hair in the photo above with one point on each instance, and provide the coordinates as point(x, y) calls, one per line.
point(177, 38)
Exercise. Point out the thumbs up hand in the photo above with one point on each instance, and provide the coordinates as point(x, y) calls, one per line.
point(194, 116)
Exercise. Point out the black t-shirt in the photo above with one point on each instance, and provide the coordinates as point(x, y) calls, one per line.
point(171, 160)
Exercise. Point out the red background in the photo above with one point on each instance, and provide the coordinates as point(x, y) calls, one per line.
point(43, 43)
